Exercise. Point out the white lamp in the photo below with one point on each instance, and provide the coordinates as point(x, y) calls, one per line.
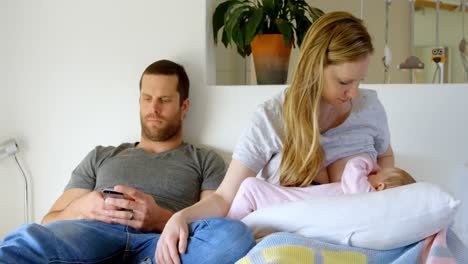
point(9, 148)
point(412, 62)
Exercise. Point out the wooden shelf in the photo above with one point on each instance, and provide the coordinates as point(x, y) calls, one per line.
point(432, 4)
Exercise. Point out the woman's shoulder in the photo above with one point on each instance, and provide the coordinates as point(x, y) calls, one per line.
point(367, 101)
point(366, 108)
point(270, 111)
point(275, 103)
point(368, 92)
point(267, 119)
point(367, 95)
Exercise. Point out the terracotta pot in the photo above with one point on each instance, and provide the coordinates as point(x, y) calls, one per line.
point(271, 58)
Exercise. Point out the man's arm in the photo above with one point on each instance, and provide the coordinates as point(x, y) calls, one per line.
point(78, 203)
point(57, 211)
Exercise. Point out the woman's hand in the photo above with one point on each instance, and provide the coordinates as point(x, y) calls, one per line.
point(173, 240)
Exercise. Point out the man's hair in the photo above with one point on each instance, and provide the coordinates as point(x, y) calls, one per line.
point(167, 67)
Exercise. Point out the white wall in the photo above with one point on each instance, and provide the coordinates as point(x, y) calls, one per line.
point(11, 185)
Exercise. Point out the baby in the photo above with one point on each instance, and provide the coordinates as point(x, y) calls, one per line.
point(359, 175)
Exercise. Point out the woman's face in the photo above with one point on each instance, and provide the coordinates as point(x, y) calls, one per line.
point(341, 81)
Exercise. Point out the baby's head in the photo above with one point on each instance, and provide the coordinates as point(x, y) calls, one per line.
point(389, 178)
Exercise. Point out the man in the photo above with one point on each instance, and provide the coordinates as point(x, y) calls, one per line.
point(158, 176)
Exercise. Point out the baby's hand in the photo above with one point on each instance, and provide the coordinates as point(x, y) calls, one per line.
point(365, 163)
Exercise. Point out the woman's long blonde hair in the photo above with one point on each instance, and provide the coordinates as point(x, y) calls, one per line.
point(335, 38)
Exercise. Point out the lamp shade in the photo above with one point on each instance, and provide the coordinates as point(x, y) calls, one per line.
point(8, 148)
point(412, 62)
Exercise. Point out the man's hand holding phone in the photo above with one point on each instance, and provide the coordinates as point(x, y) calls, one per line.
point(108, 193)
point(125, 213)
point(144, 213)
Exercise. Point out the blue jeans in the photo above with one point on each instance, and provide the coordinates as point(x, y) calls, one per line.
point(214, 240)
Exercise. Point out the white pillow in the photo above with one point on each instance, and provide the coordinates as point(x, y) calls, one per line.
point(380, 220)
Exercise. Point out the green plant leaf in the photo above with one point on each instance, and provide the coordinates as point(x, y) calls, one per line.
point(301, 30)
point(233, 20)
point(235, 26)
point(252, 25)
point(248, 50)
point(285, 29)
point(279, 4)
point(218, 17)
point(238, 37)
point(269, 6)
point(241, 51)
point(232, 9)
point(302, 22)
point(224, 39)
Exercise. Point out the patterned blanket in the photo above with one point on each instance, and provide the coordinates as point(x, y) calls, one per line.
point(442, 248)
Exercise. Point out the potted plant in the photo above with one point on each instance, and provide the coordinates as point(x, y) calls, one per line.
point(266, 28)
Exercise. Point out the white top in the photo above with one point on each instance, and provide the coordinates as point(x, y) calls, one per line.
point(364, 131)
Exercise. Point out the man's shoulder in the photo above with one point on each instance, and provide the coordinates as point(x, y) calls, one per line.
point(202, 152)
point(199, 148)
point(106, 151)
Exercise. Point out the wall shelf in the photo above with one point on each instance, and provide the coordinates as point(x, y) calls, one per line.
point(432, 4)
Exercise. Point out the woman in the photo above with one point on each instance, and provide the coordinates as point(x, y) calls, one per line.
point(320, 118)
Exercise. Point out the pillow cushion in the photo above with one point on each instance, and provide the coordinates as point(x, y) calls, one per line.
point(379, 220)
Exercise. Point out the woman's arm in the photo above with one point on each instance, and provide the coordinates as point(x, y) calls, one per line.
point(322, 176)
point(386, 159)
point(173, 240)
point(218, 204)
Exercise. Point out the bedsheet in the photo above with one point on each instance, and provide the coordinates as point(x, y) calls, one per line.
point(442, 248)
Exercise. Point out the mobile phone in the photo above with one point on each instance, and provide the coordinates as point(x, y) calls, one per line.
point(108, 193)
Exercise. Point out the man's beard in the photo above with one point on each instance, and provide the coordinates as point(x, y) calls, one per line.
point(160, 133)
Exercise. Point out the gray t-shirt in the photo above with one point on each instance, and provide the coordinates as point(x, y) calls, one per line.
point(364, 131)
point(175, 178)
